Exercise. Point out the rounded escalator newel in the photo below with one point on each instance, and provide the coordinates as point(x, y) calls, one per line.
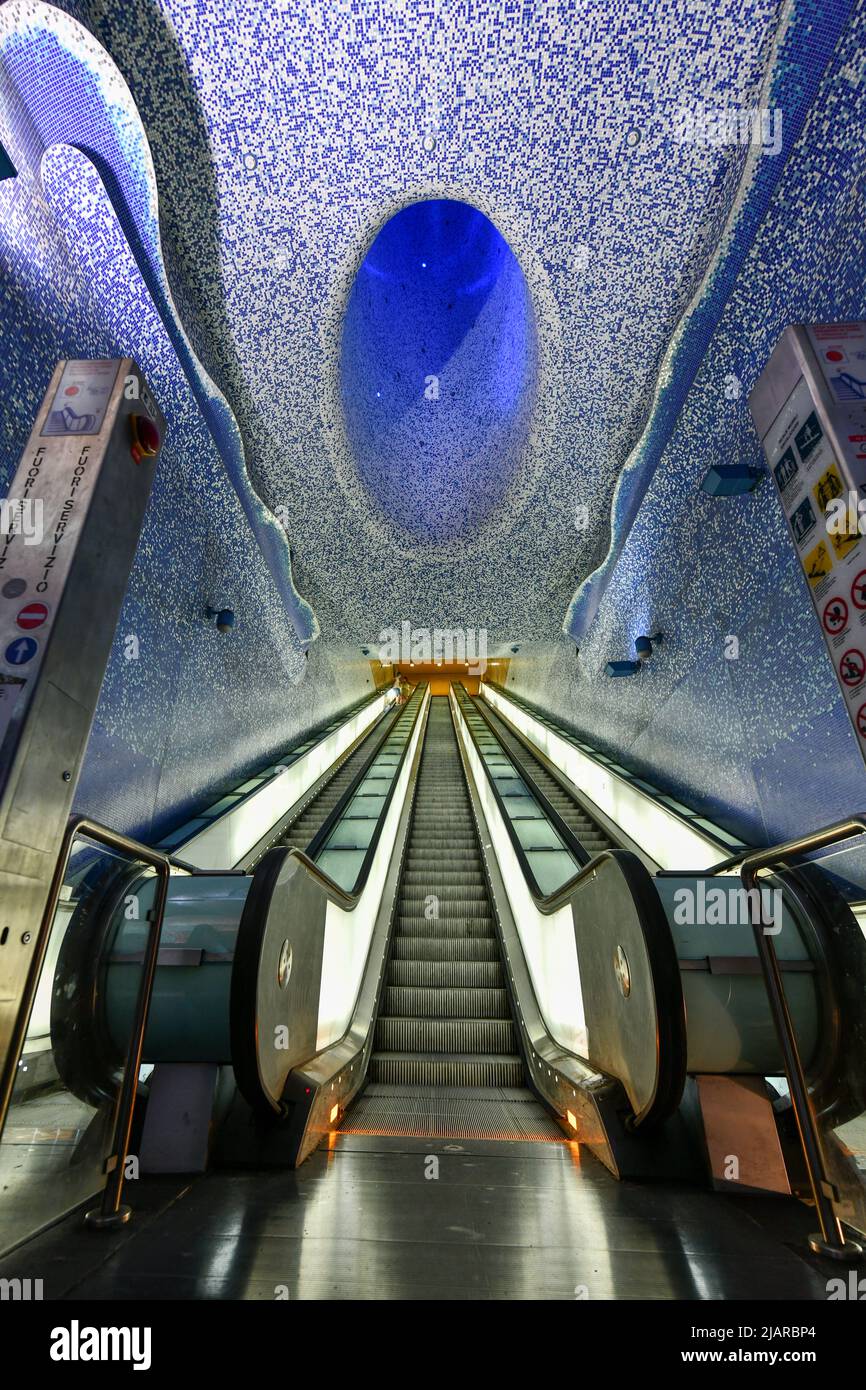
point(622, 972)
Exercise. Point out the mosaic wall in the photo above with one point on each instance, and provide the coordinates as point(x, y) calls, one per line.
point(280, 140)
point(762, 740)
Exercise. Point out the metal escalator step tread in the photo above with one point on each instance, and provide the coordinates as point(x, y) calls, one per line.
point(446, 974)
point(454, 948)
point(442, 1112)
point(418, 903)
point(446, 1035)
point(425, 1070)
point(456, 849)
point(448, 875)
point(445, 927)
point(444, 1002)
point(475, 889)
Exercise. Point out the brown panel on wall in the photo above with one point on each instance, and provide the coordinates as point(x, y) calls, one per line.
point(742, 1140)
point(383, 674)
point(440, 674)
point(497, 670)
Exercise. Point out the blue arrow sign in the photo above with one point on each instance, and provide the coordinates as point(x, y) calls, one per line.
point(22, 650)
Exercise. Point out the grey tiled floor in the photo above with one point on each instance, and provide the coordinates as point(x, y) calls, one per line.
point(363, 1221)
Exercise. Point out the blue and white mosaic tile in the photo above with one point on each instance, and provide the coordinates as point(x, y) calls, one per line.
point(249, 157)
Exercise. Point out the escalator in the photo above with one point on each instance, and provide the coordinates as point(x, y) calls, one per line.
point(446, 1059)
point(585, 827)
point(304, 828)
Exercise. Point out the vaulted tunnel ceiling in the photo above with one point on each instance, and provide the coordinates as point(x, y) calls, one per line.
point(212, 188)
point(283, 142)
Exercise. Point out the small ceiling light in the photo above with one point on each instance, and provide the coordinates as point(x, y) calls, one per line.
point(225, 618)
point(429, 142)
point(643, 646)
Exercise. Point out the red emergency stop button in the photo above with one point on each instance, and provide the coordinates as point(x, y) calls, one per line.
point(145, 437)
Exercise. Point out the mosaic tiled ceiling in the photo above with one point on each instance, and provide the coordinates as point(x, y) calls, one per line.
point(261, 159)
point(284, 137)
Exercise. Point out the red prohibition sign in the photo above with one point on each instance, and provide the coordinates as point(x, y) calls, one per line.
point(835, 616)
point(852, 667)
point(860, 721)
point(858, 590)
point(32, 615)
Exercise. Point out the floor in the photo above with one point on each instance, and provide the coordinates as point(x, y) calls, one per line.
point(394, 1218)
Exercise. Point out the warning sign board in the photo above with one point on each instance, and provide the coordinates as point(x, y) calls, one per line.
point(810, 410)
point(818, 564)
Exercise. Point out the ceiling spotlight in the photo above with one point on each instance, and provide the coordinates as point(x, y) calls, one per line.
point(643, 646)
point(225, 618)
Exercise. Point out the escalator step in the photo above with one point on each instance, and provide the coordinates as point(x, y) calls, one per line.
point(443, 884)
point(404, 1069)
point(458, 948)
point(445, 1035)
point(445, 974)
point(446, 927)
point(423, 1002)
point(449, 878)
point(416, 905)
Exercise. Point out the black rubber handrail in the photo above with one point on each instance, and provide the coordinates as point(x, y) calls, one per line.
point(349, 898)
point(633, 779)
point(672, 1037)
point(546, 902)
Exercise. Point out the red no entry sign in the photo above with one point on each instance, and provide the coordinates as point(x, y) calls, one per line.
point(32, 615)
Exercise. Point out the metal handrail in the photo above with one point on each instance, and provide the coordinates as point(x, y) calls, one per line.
point(110, 1212)
point(831, 1239)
